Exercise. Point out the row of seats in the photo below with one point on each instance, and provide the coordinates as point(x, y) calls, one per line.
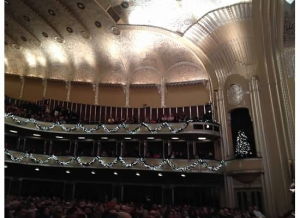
point(96, 113)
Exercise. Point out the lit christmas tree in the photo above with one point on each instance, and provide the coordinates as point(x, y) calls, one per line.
point(242, 145)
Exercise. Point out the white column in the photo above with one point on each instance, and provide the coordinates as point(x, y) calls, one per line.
point(68, 87)
point(162, 91)
point(22, 78)
point(45, 84)
point(126, 89)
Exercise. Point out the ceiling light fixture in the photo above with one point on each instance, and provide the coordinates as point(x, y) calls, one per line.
point(150, 137)
point(37, 169)
point(160, 174)
point(5, 166)
point(201, 138)
point(59, 137)
point(116, 173)
point(93, 172)
point(68, 171)
point(127, 138)
point(13, 131)
point(81, 137)
point(207, 126)
point(138, 174)
point(175, 138)
point(38, 135)
point(183, 175)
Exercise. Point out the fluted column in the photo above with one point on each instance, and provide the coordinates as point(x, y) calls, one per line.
point(68, 87)
point(22, 78)
point(45, 84)
point(126, 89)
point(96, 90)
point(162, 91)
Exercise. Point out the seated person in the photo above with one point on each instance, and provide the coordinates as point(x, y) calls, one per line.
point(110, 120)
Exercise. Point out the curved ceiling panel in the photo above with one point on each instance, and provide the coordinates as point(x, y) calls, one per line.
point(186, 72)
point(145, 75)
point(88, 41)
point(174, 15)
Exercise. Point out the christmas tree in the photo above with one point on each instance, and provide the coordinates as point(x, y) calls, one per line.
point(242, 145)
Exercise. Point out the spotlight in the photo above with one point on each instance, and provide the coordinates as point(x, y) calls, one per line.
point(38, 135)
point(160, 174)
point(183, 175)
point(59, 137)
point(138, 174)
point(37, 169)
point(207, 126)
point(116, 173)
point(93, 172)
point(13, 131)
point(68, 171)
point(175, 138)
point(150, 137)
point(128, 138)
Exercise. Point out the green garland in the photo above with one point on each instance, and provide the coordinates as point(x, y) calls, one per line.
point(115, 161)
point(99, 126)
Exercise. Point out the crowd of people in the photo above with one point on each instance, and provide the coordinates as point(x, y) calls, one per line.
point(44, 207)
point(65, 115)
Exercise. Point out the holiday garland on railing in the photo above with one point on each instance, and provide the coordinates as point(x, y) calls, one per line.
point(107, 130)
point(115, 161)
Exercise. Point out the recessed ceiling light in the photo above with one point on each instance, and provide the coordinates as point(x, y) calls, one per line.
point(104, 138)
point(207, 126)
point(138, 174)
point(93, 172)
point(59, 137)
point(116, 173)
point(37, 169)
point(127, 138)
point(175, 138)
point(150, 137)
point(183, 175)
point(68, 171)
point(201, 138)
point(80, 137)
point(13, 131)
point(209, 111)
point(36, 135)
point(160, 174)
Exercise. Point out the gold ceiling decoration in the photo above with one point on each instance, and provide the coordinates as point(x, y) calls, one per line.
point(99, 41)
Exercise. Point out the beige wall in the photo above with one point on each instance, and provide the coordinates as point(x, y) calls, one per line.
point(82, 93)
point(12, 86)
point(176, 96)
point(33, 89)
point(111, 96)
point(186, 95)
point(56, 90)
point(140, 96)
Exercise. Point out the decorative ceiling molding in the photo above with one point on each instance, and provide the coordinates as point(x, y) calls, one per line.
point(16, 30)
point(41, 18)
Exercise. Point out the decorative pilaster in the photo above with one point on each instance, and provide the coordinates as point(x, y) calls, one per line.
point(96, 90)
point(162, 91)
point(126, 89)
point(68, 87)
point(22, 78)
point(45, 83)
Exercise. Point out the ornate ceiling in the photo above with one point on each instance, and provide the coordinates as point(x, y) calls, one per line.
point(138, 42)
